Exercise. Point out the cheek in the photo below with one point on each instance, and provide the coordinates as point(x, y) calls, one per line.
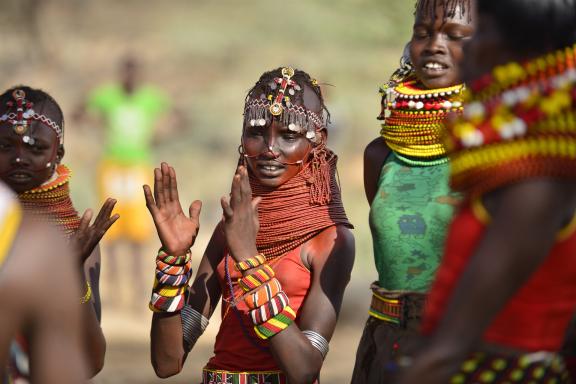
point(294, 150)
point(414, 50)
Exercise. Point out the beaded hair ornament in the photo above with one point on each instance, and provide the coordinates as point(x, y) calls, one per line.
point(259, 111)
point(520, 122)
point(20, 115)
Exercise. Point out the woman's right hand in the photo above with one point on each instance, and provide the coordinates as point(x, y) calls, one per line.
point(177, 231)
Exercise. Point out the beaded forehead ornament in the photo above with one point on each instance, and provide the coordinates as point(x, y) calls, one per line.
point(257, 112)
point(20, 114)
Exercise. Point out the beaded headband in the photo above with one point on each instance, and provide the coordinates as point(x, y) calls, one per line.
point(20, 114)
point(257, 112)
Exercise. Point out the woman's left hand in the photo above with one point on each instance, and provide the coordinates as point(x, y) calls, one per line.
point(87, 236)
point(241, 217)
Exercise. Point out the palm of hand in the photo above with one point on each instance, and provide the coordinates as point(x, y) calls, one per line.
point(176, 231)
point(87, 236)
point(241, 223)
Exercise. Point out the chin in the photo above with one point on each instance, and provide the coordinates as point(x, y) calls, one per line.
point(439, 82)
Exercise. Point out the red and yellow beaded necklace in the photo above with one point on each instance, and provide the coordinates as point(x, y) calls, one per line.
point(414, 126)
point(520, 122)
point(51, 201)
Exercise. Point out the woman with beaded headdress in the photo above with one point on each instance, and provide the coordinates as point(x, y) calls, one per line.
point(406, 183)
point(31, 150)
point(505, 292)
point(279, 260)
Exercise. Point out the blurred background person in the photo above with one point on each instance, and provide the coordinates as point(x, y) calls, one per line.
point(35, 269)
point(31, 152)
point(130, 113)
point(505, 291)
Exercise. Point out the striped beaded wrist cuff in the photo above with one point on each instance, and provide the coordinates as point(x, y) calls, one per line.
point(263, 294)
point(250, 263)
point(173, 260)
point(276, 324)
point(257, 278)
point(270, 309)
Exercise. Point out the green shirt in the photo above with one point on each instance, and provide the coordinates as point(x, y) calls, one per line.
point(409, 219)
point(130, 120)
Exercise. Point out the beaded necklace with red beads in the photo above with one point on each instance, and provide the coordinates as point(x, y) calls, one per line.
point(51, 201)
point(414, 126)
point(520, 122)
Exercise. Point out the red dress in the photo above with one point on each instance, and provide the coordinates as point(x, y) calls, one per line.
point(536, 317)
point(237, 347)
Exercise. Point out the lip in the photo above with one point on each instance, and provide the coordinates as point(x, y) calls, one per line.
point(431, 72)
point(19, 176)
point(270, 169)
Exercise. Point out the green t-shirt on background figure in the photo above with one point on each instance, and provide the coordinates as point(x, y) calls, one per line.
point(130, 120)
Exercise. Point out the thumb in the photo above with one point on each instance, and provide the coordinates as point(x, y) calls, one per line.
point(194, 210)
point(256, 202)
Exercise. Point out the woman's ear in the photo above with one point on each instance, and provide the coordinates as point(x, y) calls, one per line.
point(60, 154)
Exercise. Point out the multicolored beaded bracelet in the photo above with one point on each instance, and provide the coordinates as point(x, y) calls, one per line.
point(159, 303)
point(172, 280)
point(173, 269)
point(167, 290)
point(270, 309)
point(250, 263)
point(263, 294)
point(276, 324)
point(173, 260)
point(256, 279)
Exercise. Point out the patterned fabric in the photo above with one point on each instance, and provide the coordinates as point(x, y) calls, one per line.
point(537, 316)
point(539, 367)
point(408, 219)
point(384, 342)
point(225, 377)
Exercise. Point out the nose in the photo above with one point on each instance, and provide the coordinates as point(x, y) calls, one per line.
point(270, 148)
point(18, 158)
point(436, 45)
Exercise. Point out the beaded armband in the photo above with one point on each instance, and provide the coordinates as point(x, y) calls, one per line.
point(263, 294)
point(276, 324)
point(88, 295)
point(250, 263)
point(270, 309)
point(256, 279)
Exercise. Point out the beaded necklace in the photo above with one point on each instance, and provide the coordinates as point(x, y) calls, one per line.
point(296, 211)
point(520, 123)
point(51, 201)
point(414, 126)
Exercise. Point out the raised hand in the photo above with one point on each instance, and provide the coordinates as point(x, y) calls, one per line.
point(177, 231)
point(241, 217)
point(88, 236)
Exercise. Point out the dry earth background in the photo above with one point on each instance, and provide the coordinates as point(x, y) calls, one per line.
point(205, 55)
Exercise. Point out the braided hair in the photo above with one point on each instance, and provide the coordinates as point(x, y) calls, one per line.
point(452, 8)
point(265, 84)
point(36, 96)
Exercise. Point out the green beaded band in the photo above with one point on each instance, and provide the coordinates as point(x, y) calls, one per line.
point(276, 324)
